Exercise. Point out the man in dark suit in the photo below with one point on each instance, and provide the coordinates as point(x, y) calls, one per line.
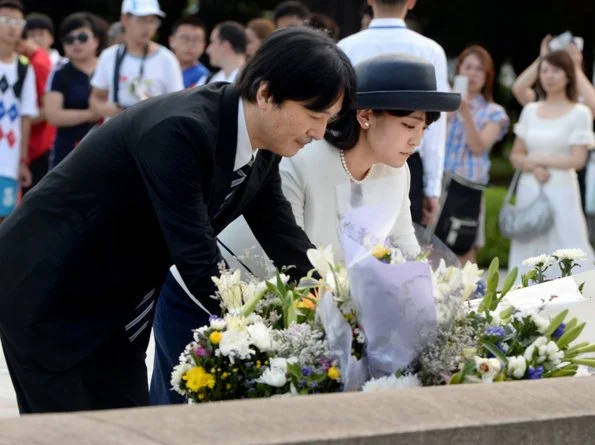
point(90, 246)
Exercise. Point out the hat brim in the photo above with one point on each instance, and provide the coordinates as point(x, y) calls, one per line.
point(407, 100)
point(157, 12)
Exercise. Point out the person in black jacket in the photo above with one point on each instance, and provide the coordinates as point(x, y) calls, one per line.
point(84, 255)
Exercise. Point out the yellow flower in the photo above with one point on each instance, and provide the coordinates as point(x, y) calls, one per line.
point(228, 386)
point(215, 337)
point(308, 302)
point(224, 375)
point(380, 252)
point(333, 373)
point(201, 397)
point(197, 378)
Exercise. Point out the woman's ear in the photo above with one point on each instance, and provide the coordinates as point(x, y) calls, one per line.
point(365, 117)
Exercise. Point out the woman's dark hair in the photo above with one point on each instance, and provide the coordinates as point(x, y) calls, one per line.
point(300, 64)
point(560, 59)
point(290, 8)
point(84, 20)
point(344, 132)
point(324, 23)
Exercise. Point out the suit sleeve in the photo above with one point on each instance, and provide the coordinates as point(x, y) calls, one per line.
point(271, 219)
point(169, 161)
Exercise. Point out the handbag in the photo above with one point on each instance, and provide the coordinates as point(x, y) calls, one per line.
point(458, 222)
point(525, 223)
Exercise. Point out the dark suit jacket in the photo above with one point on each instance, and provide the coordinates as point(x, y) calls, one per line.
point(138, 194)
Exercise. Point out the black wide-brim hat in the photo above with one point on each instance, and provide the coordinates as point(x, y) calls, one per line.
point(400, 82)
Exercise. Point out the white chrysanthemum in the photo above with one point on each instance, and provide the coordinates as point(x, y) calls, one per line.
point(391, 383)
point(218, 324)
point(176, 377)
point(553, 353)
point(260, 336)
point(235, 343)
point(541, 323)
point(541, 260)
point(537, 346)
point(276, 374)
point(322, 259)
point(570, 254)
point(517, 366)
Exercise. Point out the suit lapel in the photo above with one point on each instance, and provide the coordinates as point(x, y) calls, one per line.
point(226, 148)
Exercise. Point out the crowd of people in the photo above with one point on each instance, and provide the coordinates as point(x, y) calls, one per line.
point(405, 126)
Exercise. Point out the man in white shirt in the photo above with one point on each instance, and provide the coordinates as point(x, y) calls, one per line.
point(142, 67)
point(227, 51)
point(388, 33)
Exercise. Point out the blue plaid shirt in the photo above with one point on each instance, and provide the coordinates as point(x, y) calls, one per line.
point(459, 158)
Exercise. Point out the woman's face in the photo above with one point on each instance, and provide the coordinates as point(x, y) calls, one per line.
point(392, 139)
point(473, 69)
point(80, 44)
point(253, 42)
point(552, 78)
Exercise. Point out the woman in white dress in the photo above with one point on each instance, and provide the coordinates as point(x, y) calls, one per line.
point(553, 136)
point(368, 146)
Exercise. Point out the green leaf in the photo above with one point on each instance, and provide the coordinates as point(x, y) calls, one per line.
point(562, 373)
point(583, 349)
point(493, 275)
point(570, 336)
point(581, 287)
point(584, 361)
point(555, 323)
point(577, 347)
point(509, 281)
point(506, 313)
point(571, 324)
point(494, 350)
point(456, 378)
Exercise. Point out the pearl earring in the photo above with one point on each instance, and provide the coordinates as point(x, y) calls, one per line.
point(366, 124)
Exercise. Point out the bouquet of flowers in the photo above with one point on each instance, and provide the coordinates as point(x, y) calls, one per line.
point(264, 345)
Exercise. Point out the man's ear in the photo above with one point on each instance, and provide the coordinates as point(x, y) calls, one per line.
point(264, 99)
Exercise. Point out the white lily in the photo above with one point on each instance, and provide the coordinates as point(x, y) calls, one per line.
point(322, 259)
point(488, 368)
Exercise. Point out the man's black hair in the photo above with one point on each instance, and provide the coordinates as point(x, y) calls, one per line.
point(300, 64)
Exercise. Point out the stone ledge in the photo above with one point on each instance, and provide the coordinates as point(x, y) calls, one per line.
point(557, 411)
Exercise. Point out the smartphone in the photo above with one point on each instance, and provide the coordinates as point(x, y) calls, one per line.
point(461, 85)
point(561, 41)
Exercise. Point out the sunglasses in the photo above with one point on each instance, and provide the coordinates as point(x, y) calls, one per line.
point(83, 37)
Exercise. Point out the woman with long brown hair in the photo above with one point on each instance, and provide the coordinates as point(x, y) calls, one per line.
point(553, 136)
point(472, 131)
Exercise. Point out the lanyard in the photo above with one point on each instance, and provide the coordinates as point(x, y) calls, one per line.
point(118, 65)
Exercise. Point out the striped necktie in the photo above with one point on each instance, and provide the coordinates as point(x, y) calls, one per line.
point(238, 177)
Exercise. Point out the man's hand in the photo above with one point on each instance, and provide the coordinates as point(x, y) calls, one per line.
point(431, 207)
point(25, 176)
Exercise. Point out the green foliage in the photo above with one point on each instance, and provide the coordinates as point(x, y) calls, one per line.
point(496, 245)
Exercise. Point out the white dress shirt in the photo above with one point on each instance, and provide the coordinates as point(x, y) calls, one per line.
point(309, 181)
point(220, 76)
point(244, 153)
point(392, 36)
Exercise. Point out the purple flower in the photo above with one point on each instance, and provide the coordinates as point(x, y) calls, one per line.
point(480, 290)
point(201, 352)
point(559, 332)
point(306, 371)
point(325, 364)
point(535, 373)
point(213, 318)
point(496, 331)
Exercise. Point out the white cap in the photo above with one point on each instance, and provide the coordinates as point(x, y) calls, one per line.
point(142, 8)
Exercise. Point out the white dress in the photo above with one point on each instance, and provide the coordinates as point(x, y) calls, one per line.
point(551, 137)
point(310, 181)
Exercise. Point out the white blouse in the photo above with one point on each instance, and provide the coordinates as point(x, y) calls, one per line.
point(310, 181)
